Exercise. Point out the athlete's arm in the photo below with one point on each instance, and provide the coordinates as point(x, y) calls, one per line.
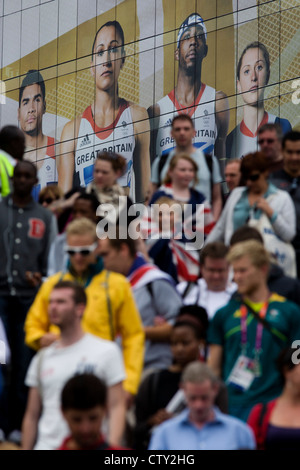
point(66, 164)
point(222, 121)
point(154, 114)
point(141, 155)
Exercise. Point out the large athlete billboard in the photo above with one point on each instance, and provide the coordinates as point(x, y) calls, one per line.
point(115, 74)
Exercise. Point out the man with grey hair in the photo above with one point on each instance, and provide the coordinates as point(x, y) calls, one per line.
point(201, 426)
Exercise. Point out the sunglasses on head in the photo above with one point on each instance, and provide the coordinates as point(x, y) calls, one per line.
point(253, 177)
point(82, 250)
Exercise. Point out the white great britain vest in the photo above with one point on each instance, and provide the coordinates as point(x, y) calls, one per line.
point(117, 137)
point(202, 113)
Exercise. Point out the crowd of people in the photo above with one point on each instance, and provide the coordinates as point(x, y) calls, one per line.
point(175, 328)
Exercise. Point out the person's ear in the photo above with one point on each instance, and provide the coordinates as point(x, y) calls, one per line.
point(44, 108)
point(119, 173)
point(80, 308)
point(216, 389)
point(177, 54)
point(123, 57)
point(205, 50)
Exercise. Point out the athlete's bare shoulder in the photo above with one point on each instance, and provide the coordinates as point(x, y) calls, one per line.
point(221, 101)
point(71, 128)
point(138, 112)
point(154, 110)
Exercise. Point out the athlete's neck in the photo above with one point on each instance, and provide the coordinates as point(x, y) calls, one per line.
point(187, 89)
point(253, 115)
point(35, 141)
point(105, 109)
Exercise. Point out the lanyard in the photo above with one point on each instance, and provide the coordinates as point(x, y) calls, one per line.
point(259, 328)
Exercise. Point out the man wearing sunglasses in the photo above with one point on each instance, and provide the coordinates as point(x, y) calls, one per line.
point(288, 179)
point(270, 143)
point(111, 310)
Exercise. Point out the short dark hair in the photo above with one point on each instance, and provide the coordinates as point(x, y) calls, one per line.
point(8, 135)
point(254, 45)
point(91, 197)
point(183, 117)
point(284, 361)
point(117, 242)
point(83, 392)
point(118, 29)
point(28, 163)
point(256, 161)
point(195, 317)
point(245, 232)
point(79, 294)
point(293, 136)
point(215, 250)
point(32, 77)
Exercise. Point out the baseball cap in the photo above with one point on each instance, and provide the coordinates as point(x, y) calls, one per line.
point(191, 20)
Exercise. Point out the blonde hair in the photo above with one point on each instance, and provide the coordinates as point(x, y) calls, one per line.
point(52, 190)
point(173, 162)
point(82, 226)
point(255, 251)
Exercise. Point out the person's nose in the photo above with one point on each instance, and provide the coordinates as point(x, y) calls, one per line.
point(253, 75)
point(107, 58)
point(31, 107)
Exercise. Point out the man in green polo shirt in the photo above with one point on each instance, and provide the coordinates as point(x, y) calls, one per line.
point(246, 336)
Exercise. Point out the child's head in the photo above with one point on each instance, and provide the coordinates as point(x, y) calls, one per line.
point(166, 213)
point(83, 404)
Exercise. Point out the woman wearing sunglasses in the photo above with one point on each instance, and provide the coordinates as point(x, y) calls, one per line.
point(257, 197)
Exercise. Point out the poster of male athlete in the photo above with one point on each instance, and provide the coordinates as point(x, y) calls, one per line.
point(85, 76)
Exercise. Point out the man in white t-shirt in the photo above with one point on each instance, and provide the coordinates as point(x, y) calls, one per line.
point(214, 288)
point(75, 352)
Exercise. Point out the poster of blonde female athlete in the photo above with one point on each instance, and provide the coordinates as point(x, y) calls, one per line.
point(116, 72)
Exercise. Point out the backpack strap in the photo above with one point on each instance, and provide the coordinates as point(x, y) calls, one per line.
point(209, 162)
point(189, 286)
point(109, 307)
point(161, 164)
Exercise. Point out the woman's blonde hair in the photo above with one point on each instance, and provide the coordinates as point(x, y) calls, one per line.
point(173, 162)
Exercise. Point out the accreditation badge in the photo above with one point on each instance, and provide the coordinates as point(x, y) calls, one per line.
point(243, 373)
